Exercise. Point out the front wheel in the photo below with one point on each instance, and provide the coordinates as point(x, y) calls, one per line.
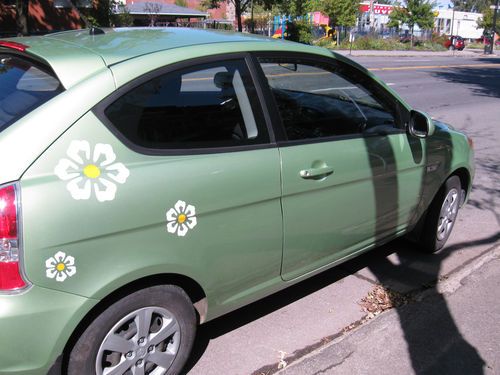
point(441, 215)
point(150, 331)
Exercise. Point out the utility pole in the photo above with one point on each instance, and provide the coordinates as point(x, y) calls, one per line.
point(372, 17)
point(452, 20)
point(252, 25)
point(494, 27)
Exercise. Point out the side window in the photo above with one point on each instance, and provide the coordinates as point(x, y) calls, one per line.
point(318, 101)
point(209, 105)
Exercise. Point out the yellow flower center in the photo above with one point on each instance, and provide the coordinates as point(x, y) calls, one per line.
point(92, 171)
point(60, 267)
point(181, 218)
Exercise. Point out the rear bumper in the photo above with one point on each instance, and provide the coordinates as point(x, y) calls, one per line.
point(35, 326)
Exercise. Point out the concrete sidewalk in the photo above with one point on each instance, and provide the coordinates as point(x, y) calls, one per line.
point(450, 329)
point(465, 53)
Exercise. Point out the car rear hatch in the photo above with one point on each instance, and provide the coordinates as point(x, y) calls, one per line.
point(34, 71)
point(25, 84)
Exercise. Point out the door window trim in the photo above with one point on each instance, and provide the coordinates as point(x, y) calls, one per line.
point(245, 57)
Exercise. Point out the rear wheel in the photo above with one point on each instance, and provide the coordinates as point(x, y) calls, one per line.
point(441, 215)
point(150, 331)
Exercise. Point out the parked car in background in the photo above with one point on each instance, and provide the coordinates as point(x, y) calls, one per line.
point(487, 40)
point(153, 180)
point(454, 42)
point(406, 38)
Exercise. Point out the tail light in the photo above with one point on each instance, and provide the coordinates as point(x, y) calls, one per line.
point(10, 267)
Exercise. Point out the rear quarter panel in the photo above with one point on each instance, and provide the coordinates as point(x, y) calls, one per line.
point(124, 239)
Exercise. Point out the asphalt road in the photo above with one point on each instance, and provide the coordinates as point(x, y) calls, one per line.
point(281, 329)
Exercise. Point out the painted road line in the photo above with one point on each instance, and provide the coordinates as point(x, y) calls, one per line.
point(409, 60)
point(417, 67)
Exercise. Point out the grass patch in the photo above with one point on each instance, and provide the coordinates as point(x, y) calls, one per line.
point(368, 43)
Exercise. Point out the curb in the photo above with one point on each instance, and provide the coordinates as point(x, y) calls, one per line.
point(446, 285)
point(399, 53)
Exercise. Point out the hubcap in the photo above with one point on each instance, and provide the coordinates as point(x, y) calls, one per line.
point(145, 341)
point(448, 214)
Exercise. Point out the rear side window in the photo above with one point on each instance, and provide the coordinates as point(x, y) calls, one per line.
point(24, 86)
point(204, 106)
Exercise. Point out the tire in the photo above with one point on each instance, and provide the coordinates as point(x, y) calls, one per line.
point(441, 216)
point(112, 340)
point(451, 48)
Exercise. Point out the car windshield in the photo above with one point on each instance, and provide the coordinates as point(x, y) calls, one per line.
point(24, 86)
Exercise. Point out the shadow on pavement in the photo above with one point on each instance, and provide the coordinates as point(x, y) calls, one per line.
point(435, 344)
point(485, 197)
point(415, 271)
point(259, 309)
point(484, 80)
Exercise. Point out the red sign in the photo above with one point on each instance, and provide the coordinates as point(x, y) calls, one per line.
point(377, 8)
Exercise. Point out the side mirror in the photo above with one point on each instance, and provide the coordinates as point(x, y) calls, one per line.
point(421, 125)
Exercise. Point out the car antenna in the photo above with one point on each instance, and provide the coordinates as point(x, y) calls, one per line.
point(96, 31)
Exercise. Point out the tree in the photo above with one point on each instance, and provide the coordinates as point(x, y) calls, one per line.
point(100, 14)
point(22, 16)
point(416, 12)
point(292, 8)
point(470, 5)
point(486, 22)
point(341, 12)
point(240, 7)
point(152, 9)
point(181, 3)
point(122, 16)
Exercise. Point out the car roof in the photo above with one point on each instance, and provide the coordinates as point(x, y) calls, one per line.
point(116, 45)
point(77, 54)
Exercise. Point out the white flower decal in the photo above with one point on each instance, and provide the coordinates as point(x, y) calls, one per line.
point(60, 266)
point(84, 170)
point(181, 218)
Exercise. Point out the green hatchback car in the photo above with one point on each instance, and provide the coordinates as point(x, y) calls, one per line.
point(153, 180)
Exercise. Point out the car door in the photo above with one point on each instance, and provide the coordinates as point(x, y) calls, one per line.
point(350, 174)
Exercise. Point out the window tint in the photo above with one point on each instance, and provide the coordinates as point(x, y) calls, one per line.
point(213, 105)
point(23, 87)
point(317, 101)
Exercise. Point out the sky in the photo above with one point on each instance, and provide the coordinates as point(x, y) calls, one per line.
point(443, 4)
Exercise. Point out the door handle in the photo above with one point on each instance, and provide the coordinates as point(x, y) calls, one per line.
point(316, 173)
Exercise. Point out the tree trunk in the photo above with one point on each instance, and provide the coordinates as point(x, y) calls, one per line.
point(237, 10)
point(411, 36)
point(22, 17)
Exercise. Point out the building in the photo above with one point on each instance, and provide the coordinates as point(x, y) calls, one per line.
point(43, 17)
point(377, 18)
point(224, 13)
point(163, 14)
point(458, 23)
point(446, 22)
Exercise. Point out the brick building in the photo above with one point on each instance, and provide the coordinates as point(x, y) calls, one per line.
point(43, 16)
